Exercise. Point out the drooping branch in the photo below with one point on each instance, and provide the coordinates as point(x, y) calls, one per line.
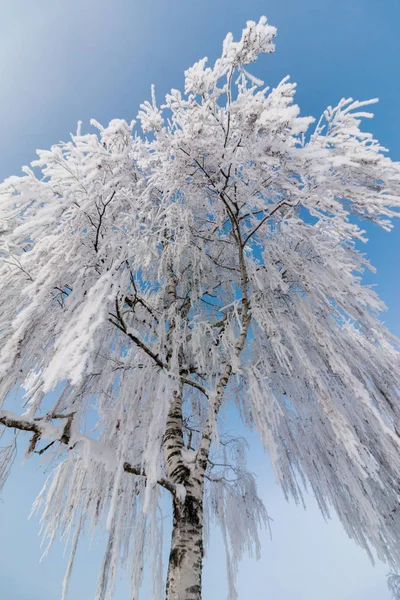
point(42, 428)
point(17, 264)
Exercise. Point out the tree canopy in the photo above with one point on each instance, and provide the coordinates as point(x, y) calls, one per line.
point(207, 253)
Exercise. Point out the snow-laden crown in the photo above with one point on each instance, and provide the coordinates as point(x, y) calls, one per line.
point(222, 245)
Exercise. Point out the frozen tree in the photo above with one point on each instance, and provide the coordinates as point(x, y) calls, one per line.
point(149, 280)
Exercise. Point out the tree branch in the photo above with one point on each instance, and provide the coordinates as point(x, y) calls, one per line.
point(42, 428)
point(195, 385)
point(101, 215)
point(205, 444)
point(269, 215)
point(165, 483)
point(121, 325)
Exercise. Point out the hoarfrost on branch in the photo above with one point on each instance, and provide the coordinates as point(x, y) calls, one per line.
point(154, 278)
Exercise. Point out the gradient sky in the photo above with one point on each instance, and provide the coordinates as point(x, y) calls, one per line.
point(64, 61)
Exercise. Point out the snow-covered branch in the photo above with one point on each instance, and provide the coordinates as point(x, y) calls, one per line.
point(43, 429)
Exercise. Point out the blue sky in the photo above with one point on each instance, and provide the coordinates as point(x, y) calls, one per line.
point(64, 61)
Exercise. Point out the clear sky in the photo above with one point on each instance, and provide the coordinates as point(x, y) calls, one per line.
point(64, 61)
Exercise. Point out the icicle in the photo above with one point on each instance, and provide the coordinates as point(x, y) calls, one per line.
point(70, 565)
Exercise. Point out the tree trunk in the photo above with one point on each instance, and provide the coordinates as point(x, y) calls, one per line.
point(186, 556)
